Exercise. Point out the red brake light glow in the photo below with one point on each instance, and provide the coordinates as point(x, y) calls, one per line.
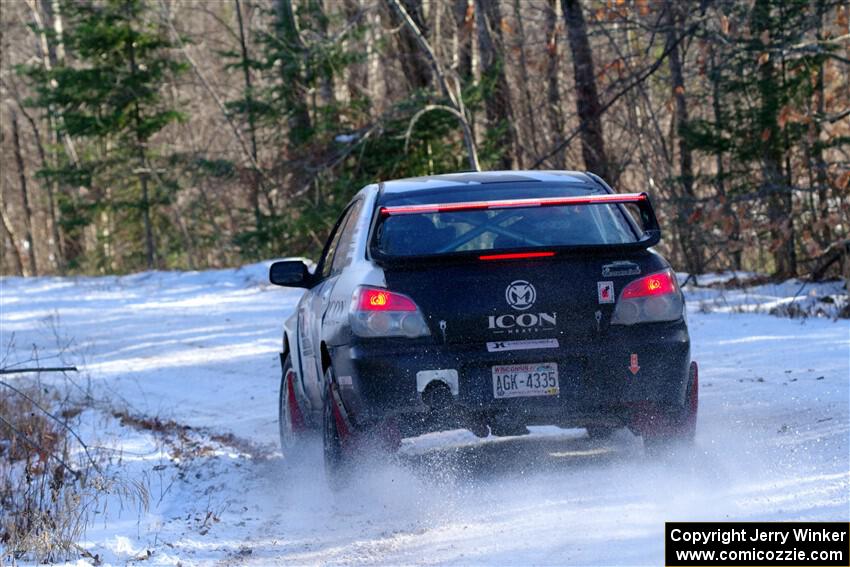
point(516, 255)
point(383, 300)
point(515, 203)
point(661, 283)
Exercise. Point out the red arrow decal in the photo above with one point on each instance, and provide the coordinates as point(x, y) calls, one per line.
point(633, 364)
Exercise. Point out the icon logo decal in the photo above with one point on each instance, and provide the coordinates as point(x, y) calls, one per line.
point(522, 323)
point(520, 295)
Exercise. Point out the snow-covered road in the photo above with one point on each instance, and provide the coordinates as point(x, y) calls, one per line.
point(201, 349)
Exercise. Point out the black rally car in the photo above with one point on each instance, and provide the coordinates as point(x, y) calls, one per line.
point(488, 301)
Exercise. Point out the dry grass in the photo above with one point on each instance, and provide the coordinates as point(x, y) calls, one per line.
point(51, 483)
point(40, 490)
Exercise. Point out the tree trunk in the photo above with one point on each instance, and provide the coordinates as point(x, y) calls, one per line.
point(787, 194)
point(821, 180)
point(528, 99)
point(53, 53)
point(464, 12)
point(50, 185)
point(249, 103)
point(553, 92)
point(8, 229)
point(25, 200)
point(12, 249)
point(327, 91)
point(733, 234)
point(690, 244)
point(357, 82)
point(141, 142)
point(773, 182)
point(293, 87)
point(497, 102)
point(587, 97)
point(414, 65)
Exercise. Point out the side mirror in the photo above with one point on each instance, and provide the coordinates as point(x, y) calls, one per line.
point(290, 273)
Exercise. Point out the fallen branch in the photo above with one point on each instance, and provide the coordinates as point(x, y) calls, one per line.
point(832, 254)
point(39, 369)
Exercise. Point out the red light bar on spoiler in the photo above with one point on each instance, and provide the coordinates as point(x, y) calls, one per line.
point(515, 204)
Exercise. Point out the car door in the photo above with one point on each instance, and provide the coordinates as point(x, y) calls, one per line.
point(312, 311)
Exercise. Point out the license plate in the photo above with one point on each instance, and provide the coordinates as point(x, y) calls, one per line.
point(519, 380)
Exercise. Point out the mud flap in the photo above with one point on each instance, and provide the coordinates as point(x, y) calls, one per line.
point(343, 423)
point(299, 425)
point(648, 419)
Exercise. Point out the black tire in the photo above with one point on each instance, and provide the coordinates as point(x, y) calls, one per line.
point(337, 457)
point(288, 430)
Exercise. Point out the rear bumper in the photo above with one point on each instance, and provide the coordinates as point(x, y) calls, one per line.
point(377, 379)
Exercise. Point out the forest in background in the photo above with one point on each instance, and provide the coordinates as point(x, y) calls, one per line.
point(186, 134)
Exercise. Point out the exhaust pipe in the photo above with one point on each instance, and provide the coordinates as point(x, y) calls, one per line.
point(437, 395)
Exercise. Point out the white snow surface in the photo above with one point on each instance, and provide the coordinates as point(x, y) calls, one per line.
point(200, 348)
point(791, 298)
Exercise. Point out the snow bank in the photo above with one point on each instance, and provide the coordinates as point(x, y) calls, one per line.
point(792, 298)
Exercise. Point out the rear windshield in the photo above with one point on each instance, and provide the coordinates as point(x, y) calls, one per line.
point(501, 229)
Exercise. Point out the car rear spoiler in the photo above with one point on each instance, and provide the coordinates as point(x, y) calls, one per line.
point(651, 230)
point(608, 199)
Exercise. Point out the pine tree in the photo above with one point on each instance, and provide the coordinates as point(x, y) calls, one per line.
point(107, 94)
point(761, 87)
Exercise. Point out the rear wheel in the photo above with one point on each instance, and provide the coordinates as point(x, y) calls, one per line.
point(290, 418)
point(679, 429)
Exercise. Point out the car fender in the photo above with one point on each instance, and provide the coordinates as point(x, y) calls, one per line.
point(290, 347)
point(335, 324)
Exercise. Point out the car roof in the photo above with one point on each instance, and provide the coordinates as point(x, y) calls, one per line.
point(448, 180)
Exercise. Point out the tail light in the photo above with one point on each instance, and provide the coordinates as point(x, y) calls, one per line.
point(377, 312)
point(650, 299)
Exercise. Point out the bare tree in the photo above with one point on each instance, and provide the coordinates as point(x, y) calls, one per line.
point(411, 30)
point(498, 101)
point(452, 90)
point(553, 90)
point(691, 248)
point(587, 98)
point(25, 199)
point(249, 109)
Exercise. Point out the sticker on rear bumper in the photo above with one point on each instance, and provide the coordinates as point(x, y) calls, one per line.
point(500, 346)
point(634, 367)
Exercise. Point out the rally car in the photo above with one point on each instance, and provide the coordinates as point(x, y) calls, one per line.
point(486, 301)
